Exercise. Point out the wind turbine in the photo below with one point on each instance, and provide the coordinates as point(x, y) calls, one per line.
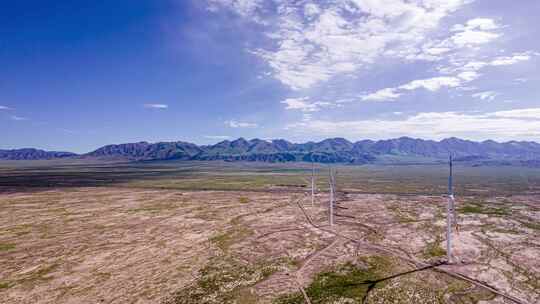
point(451, 215)
point(331, 181)
point(312, 182)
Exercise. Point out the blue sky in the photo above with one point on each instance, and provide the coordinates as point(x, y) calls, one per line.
point(75, 76)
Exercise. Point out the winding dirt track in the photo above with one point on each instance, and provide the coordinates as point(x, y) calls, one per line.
point(298, 273)
point(409, 259)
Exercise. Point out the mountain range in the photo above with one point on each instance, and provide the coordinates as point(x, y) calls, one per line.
point(33, 154)
point(333, 150)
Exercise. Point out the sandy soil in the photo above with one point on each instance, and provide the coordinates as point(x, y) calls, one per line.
point(117, 245)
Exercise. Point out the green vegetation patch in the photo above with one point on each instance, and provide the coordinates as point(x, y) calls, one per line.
point(4, 285)
point(473, 297)
point(407, 291)
point(6, 246)
point(348, 283)
point(530, 225)
point(243, 200)
point(234, 235)
point(291, 262)
point(224, 280)
point(402, 215)
point(20, 230)
point(156, 208)
point(434, 249)
point(480, 208)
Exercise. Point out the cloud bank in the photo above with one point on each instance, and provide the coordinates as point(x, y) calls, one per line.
point(499, 125)
point(240, 124)
point(156, 106)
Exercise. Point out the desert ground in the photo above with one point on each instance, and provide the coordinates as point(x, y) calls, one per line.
point(244, 233)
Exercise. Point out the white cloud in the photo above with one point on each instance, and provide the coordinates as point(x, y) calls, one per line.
point(155, 106)
point(303, 104)
point(4, 108)
point(432, 84)
point(464, 73)
point(474, 66)
point(467, 88)
point(532, 113)
point(217, 137)
point(18, 118)
point(307, 117)
point(245, 8)
point(68, 131)
point(474, 32)
point(239, 124)
point(502, 125)
point(314, 43)
point(487, 95)
point(468, 75)
point(299, 104)
point(436, 51)
point(484, 24)
point(311, 10)
point(473, 37)
point(516, 58)
point(311, 44)
point(382, 95)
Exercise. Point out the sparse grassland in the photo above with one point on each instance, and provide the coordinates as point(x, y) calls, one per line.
point(223, 280)
point(346, 283)
point(399, 179)
point(230, 237)
point(183, 233)
point(6, 247)
point(483, 208)
point(4, 285)
point(434, 249)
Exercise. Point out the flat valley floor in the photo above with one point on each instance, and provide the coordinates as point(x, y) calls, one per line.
point(234, 234)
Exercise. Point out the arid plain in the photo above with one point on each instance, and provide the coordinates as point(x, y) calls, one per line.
point(174, 232)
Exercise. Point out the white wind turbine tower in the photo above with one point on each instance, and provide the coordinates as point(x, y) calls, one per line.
point(332, 190)
point(451, 215)
point(312, 182)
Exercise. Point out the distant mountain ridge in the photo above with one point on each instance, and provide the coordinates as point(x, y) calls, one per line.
point(33, 154)
point(332, 150)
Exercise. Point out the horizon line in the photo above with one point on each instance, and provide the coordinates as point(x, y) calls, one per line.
point(275, 139)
